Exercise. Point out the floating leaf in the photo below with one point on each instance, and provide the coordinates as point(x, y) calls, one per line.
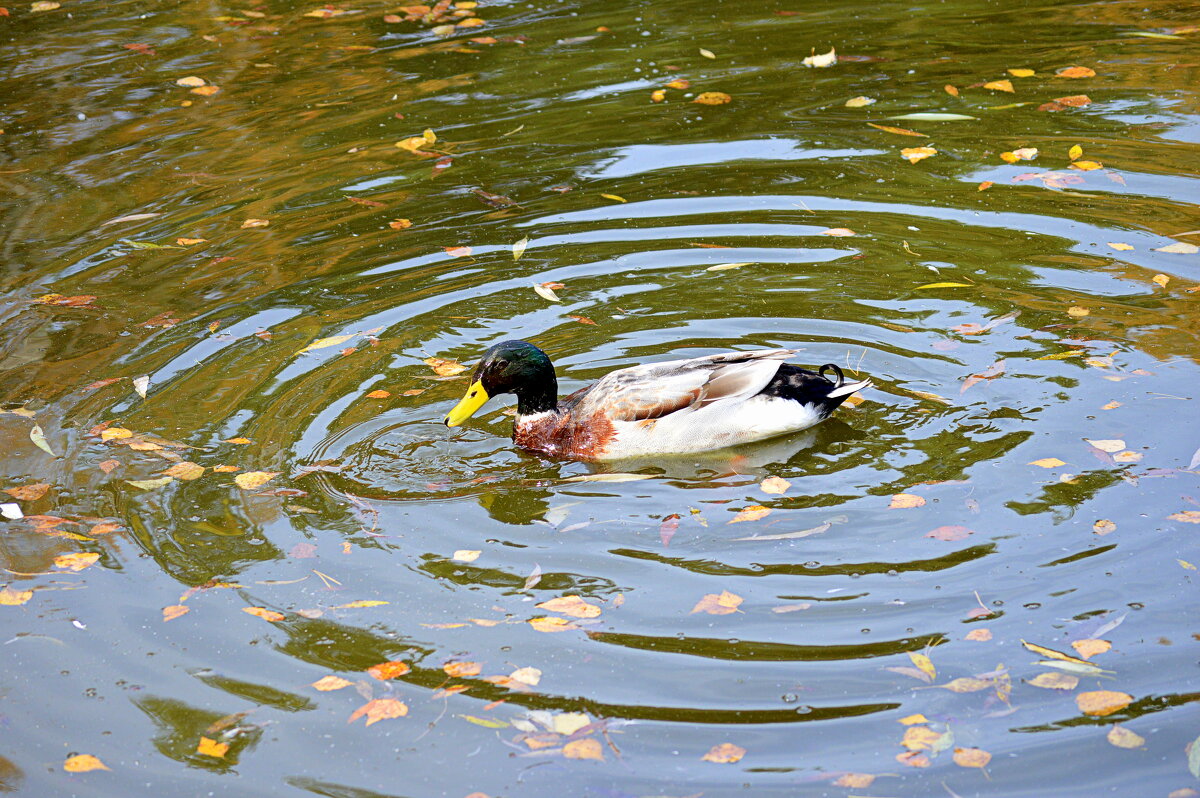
point(14, 598)
point(712, 98)
point(76, 561)
point(979, 635)
point(752, 513)
point(724, 754)
point(899, 131)
point(774, 485)
point(546, 293)
point(1099, 703)
point(1186, 516)
point(185, 470)
point(574, 606)
point(951, 90)
point(1048, 462)
point(1090, 647)
point(614, 198)
point(251, 223)
point(720, 267)
point(1021, 73)
point(210, 747)
point(1179, 248)
point(526, 675)
point(1124, 738)
point(950, 533)
point(39, 440)
point(389, 670)
point(1119, 246)
point(487, 723)
point(379, 394)
point(174, 611)
point(254, 479)
point(854, 780)
point(551, 624)
point(584, 748)
point(466, 555)
point(971, 757)
point(1104, 526)
point(920, 738)
point(1055, 681)
point(723, 603)
point(859, 102)
point(443, 367)
point(914, 154)
point(932, 117)
point(942, 285)
point(924, 664)
point(518, 249)
point(608, 478)
point(706, 53)
point(1086, 166)
point(1000, 85)
point(462, 669)
point(29, 493)
point(1113, 445)
point(380, 709)
point(11, 511)
point(838, 232)
point(821, 61)
point(82, 763)
point(265, 614)
point(190, 82)
point(327, 683)
point(1076, 72)
point(906, 501)
point(360, 604)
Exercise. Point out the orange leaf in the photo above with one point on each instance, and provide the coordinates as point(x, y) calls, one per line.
point(1076, 72)
point(723, 603)
point(28, 493)
point(1102, 702)
point(380, 709)
point(462, 669)
point(551, 624)
point(458, 252)
point(378, 395)
point(265, 614)
point(212, 747)
point(914, 154)
point(951, 90)
point(389, 670)
point(584, 748)
point(971, 757)
point(979, 635)
point(712, 98)
point(75, 561)
point(175, 611)
point(1090, 647)
point(724, 754)
point(751, 513)
point(82, 763)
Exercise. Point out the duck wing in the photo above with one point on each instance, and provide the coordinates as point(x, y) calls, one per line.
point(656, 390)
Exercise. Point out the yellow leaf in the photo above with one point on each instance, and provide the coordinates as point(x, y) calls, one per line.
point(1090, 647)
point(858, 102)
point(999, 85)
point(951, 90)
point(574, 606)
point(914, 154)
point(1119, 246)
point(712, 98)
point(1124, 738)
point(1076, 72)
point(380, 709)
point(462, 669)
point(206, 91)
point(706, 53)
point(723, 603)
point(518, 249)
point(1160, 279)
point(752, 513)
point(354, 605)
point(238, 441)
point(150, 484)
point(379, 394)
point(1077, 312)
point(904, 501)
point(724, 754)
point(322, 343)
point(971, 757)
point(443, 367)
point(551, 624)
point(924, 664)
point(1048, 462)
point(1061, 355)
point(115, 433)
point(909, 720)
point(1110, 445)
point(1086, 166)
point(76, 561)
point(1021, 73)
point(1185, 565)
point(331, 682)
point(1104, 526)
point(174, 611)
point(839, 232)
point(1102, 702)
point(920, 738)
point(775, 485)
point(821, 61)
point(570, 722)
point(250, 480)
point(250, 223)
point(400, 224)
point(899, 131)
point(14, 598)
point(265, 614)
point(658, 96)
point(211, 747)
point(82, 763)
point(185, 470)
point(1055, 681)
point(1186, 516)
point(1075, 153)
point(942, 285)
point(526, 675)
point(187, 242)
point(191, 81)
point(1052, 654)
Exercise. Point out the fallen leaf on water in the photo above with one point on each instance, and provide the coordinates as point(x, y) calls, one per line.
point(466, 555)
point(720, 267)
point(971, 757)
point(400, 224)
point(774, 485)
point(856, 780)
point(206, 91)
point(1055, 681)
point(914, 759)
point(518, 249)
point(925, 116)
point(254, 479)
point(1086, 166)
point(1077, 312)
point(1090, 647)
point(751, 513)
point(979, 635)
point(712, 98)
point(389, 670)
point(174, 611)
point(859, 102)
point(443, 367)
point(1048, 462)
point(1000, 85)
point(150, 484)
point(249, 223)
point(28, 493)
point(679, 83)
point(380, 709)
point(527, 675)
point(1021, 73)
point(924, 664)
point(360, 604)
point(322, 343)
point(238, 441)
point(707, 53)
point(1076, 72)
point(331, 682)
point(942, 285)
point(1119, 246)
point(820, 61)
point(914, 154)
point(211, 747)
point(76, 561)
point(1102, 702)
point(1110, 446)
point(724, 754)
point(462, 669)
point(581, 319)
point(723, 603)
point(1124, 738)
point(546, 293)
point(187, 242)
point(11, 511)
point(1104, 526)
point(584, 748)
point(14, 598)
point(1179, 248)
point(1021, 154)
point(920, 738)
point(551, 624)
point(185, 470)
point(909, 720)
point(82, 763)
point(899, 131)
point(265, 614)
point(574, 606)
point(906, 501)
point(950, 533)
point(951, 90)
point(379, 394)
point(658, 96)
point(614, 198)
point(39, 440)
point(1186, 516)
point(191, 81)
point(838, 232)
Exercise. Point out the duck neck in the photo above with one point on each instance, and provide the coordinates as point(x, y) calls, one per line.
point(538, 397)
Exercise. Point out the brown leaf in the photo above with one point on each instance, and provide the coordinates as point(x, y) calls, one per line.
point(723, 603)
point(380, 709)
point(389, 670)
point(724, 754)
point(28, 493)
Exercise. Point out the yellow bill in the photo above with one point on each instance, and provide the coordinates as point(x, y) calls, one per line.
point(467, 406)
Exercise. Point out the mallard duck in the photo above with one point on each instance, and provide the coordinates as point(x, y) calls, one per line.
point(674, 407)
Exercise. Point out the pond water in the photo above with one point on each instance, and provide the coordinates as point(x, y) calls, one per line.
point(252, 251)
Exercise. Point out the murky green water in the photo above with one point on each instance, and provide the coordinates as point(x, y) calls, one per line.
point(1092, 336)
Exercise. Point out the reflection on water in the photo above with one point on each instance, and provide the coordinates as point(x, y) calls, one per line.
point(1023, 469)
